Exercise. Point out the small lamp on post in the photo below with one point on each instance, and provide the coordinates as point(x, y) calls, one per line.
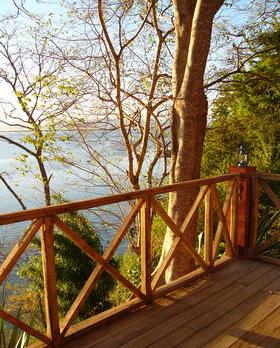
point(246, 202)
point(243, 156)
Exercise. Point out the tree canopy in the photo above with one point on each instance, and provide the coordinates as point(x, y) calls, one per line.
point(247, 110)
point(105, 69)
point(73, 268)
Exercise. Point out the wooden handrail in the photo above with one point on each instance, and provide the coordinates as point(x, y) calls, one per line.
point(266, 176)
point(247, 206)
point(18, 250)
point(36, 213)
point(146, 204)
point(261, 180)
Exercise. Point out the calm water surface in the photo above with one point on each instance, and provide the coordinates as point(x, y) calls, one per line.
point(70, 182)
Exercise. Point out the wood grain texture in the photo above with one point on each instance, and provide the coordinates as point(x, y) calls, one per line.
point(234, 214)
point(227, 206)
point(14, 321)
point(254, 215)
point(126, 323)
point(230, 311)
point(18, 250)
point(72, 235)
point(208, 230)
point(49, 273)
point(181, 236)
point(242, 295)
point(145, 245)
point(269, 259)
point(222, 218)
point(99, 268)
point(37, 213)
point(266, 176)
point(260, 321)
point(273, 197)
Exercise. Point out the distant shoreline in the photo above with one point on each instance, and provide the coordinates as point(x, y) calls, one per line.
point(27, 131)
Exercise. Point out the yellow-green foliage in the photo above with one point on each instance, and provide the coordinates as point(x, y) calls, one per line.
point(130, 263)
point(130, 267)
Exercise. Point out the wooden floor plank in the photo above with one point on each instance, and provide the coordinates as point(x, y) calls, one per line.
point(213, 323)
point(126, 321)
point(233, 307)
point(260, 332)
point(273, 341)
point(161, 313)
point(197, 305)
point(261, 320)
point(219, 309)
point(203, 335)
point(177, 328)
point(249, 290)
point(274, 287)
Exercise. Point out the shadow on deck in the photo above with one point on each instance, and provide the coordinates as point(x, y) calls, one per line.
point(236, 306)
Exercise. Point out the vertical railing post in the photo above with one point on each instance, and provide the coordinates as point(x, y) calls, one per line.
point(254, 215)
point(208, 230)
point(145, 225)
point(244, 209)
point(233, 215)
point(49, 273)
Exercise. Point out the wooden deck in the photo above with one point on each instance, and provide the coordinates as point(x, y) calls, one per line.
point(237, 306)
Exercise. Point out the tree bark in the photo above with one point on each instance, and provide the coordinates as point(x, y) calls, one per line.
point(193, 27)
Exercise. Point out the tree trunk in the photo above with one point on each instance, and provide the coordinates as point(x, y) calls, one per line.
point(193, 27)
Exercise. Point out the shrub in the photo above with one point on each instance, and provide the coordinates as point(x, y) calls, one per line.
point(73, 267)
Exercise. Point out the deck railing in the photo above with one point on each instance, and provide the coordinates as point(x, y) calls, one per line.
point(263, 183)
point(220, 213)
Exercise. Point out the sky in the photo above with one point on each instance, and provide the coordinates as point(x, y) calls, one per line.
point(45, 7)
point(41, 6)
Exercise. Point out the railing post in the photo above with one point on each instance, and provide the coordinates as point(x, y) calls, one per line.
point(254, 215)
point(48, 263)
point(145, 225)
point(233, 215)
point(208, 230)
point(245, 210)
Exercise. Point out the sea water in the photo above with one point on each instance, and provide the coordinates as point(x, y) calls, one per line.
point(71, 182)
